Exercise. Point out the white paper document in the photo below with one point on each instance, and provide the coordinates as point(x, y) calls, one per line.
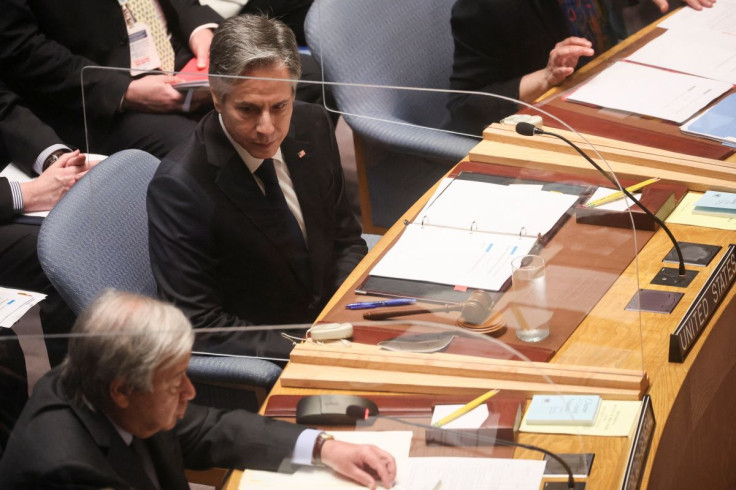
point(706, 54)
point(472, 420)
point(721, 17)
point(396, 443)
point(471, 474)
point(504, 209)
point(649, 91)
point(14, 303)
point(453, 257)
point(470, 231)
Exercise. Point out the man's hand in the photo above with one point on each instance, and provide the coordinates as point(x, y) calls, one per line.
point(696, 4)
point(153, 93)
point(362, 463)
point(564, 57)
point(44, 192)
point(199, 44)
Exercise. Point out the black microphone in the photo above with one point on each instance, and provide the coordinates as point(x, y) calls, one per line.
point(527, 129)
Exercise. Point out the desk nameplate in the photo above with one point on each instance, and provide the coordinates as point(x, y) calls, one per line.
point(640, 444)
point(705, 304)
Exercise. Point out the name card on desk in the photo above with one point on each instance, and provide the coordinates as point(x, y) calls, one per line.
point(705, 304)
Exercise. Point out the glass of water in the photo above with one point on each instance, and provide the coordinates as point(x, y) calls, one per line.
point(530, 290)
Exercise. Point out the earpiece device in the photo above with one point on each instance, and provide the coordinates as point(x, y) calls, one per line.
point(331, 331)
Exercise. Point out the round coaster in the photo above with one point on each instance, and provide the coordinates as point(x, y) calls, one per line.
point(493, 323)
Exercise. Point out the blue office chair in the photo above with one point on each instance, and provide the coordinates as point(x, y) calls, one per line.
point(96, 237)
point(388, 43)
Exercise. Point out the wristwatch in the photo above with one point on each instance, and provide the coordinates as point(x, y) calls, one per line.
point(317, 452)
point(53, 157)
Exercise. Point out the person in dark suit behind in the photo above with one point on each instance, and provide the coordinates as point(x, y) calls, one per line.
point(514, 48)
point(248, 219)
point(116, 414)
point(44, 44)
point(521, 48)
point(20, 135)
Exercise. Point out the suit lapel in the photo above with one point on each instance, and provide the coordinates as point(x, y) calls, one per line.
point(237, 183)
point(124, 461)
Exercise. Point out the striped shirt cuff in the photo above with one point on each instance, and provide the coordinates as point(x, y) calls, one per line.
point(17, 194)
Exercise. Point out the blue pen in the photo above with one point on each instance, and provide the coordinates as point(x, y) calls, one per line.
point(367, 305)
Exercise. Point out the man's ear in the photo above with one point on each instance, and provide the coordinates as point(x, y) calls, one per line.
point(120, 393)
point(216, 101)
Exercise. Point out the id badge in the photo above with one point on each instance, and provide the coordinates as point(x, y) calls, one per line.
point(143, 53)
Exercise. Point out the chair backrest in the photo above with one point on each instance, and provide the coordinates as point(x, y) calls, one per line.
point(406, 43)
point(389, 43)
point(96, 237)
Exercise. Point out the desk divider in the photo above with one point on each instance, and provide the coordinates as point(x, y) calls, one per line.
point(366, 367)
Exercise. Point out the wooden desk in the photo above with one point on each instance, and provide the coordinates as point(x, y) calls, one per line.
point(692, 401)
point(695, 437)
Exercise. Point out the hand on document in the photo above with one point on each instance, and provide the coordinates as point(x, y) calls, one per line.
point(363, 463)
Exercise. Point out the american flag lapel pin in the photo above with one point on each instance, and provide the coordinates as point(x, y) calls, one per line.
point(302, 153)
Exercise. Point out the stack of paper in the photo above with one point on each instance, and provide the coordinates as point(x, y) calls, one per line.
point(718, 122)
point(14, 303)
point(715, 203)
point(650, 91)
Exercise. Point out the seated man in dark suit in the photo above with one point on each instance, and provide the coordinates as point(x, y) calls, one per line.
point(45, 44)
point(117, 415)
point(34, 148)
point(20, 131)
point(248, 219)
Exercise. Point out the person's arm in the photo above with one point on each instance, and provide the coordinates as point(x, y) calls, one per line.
point(30, 59)
point(27, 140)
point(42, 193)
point(696, 4)
point(241, 439)
point(561, 64)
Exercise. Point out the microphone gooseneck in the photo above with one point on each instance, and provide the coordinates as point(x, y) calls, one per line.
point(495, 441)
point(527, 129)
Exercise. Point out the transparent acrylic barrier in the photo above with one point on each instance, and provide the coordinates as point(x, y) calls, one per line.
point(579, 278)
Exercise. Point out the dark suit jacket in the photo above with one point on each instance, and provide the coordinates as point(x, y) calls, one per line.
point(56, 444)
point(214, 249)
point(496, 43)
point(44, 44)
point(22, 138)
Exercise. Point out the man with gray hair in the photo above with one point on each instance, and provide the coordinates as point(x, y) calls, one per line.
point(116, 414)
point(248, 218)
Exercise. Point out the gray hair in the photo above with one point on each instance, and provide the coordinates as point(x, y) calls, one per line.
point(245, 42)
point(123, 336)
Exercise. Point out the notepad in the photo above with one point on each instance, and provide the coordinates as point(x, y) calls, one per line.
point(563, 410)
point(716, 203)
point(717, 123)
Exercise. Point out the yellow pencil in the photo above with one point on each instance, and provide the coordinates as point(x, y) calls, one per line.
point(618, 195)
point(465, 408)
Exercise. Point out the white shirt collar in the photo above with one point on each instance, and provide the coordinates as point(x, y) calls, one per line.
point(250, 161)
